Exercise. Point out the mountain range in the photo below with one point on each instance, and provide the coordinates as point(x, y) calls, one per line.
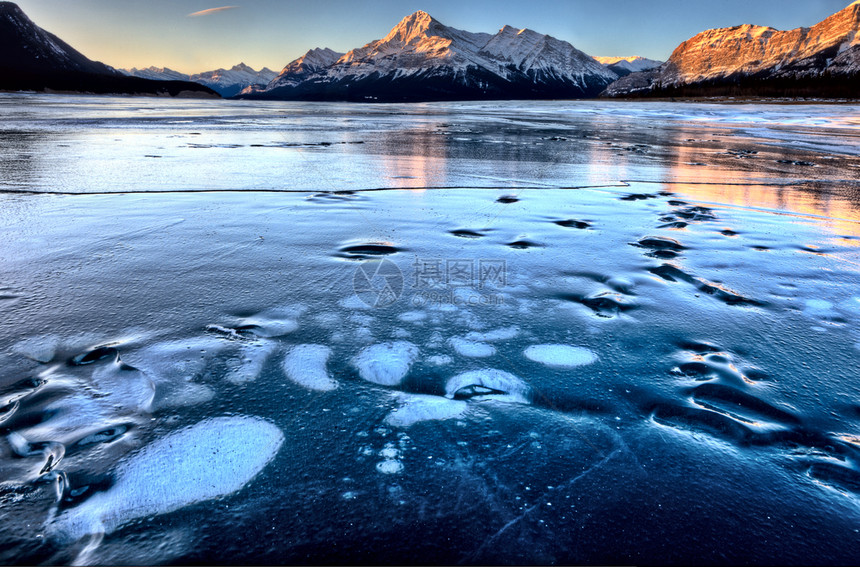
point(823, 60)
point(421, 59)
point(34, 59)
point(226, 82)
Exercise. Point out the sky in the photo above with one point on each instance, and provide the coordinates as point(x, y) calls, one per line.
point(195, 35)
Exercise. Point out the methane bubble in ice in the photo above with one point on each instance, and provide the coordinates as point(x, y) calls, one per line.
point(211, 459)
point(41, 349)
point(386, 363)
point(503, 334)
point(306, 366)
point(488, 383)
point(472, 349)
point(418, 407)
point(248, 366)
point(560, 356)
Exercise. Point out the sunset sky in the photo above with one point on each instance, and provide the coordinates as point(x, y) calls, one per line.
point(199, 35)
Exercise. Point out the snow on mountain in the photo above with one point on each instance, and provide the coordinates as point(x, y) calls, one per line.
point(822, 59)
point(314, 61)
point(422, 59)
point(626, 65)
point(155, 74)
point(226, 82)
point(230, 82)
point(751, 49)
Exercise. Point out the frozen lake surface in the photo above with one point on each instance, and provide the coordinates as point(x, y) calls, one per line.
point(555, 332)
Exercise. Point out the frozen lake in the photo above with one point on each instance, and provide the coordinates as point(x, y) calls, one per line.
point(555, 332)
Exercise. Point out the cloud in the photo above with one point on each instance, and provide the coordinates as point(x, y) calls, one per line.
point(211, 11)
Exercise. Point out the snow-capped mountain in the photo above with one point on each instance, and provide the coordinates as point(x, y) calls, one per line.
point(34, 59)
point(823, 60)
point(226, 82)
point(623, 66)
point(230, 82)
point(314, 61)
point(422, 59)
point(155, 74)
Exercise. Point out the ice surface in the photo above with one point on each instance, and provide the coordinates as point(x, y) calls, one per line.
point(717, 236)
point(560, 356)
point(306, 365)
point(386, 364)
point(211, 459)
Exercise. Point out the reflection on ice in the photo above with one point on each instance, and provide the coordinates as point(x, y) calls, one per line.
point(724, 395)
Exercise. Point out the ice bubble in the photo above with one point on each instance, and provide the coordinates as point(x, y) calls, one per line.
point(124, 387)
point(211, 459)
point(389, 452)
point(306, 365)
point(472, 349)
point(419, 407)
point(181, 394)
point(386, 363)
point(818, 306)
point(364, 335)
point(41, 349)
point(268, 328)
point(327, 319)
point(488, 383)
point(503, 334)
point(389, 466)
point(252, 358)
point(439, 360)
point(361, 319)
point(176, 360)
point(560, 356)
point(852, 304)
point(353, 302)
point(412, 316)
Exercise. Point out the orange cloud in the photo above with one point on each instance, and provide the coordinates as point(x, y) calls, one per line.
point(211, 11)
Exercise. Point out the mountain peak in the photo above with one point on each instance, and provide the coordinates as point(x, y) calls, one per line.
point(10, 8)
point(416, 25)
